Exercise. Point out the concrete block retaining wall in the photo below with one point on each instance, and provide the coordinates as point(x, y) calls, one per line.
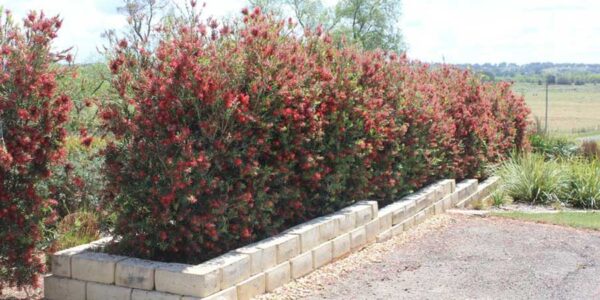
point(81, 273)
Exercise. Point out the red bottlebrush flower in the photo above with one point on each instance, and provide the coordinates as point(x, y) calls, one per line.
point(246, 233)
point(163, 236)
point(87, 141)
point(237, 162)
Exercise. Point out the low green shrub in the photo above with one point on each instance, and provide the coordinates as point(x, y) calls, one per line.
point(552, 147)
point(532, 178)
point(584, 184)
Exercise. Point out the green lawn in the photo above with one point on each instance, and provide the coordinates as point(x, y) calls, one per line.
point(589, 220)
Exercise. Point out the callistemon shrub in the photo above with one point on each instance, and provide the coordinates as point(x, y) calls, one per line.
point(226, 135)
point(32, 119)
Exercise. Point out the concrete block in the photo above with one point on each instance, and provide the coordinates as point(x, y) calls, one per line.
point(99, 291)
point(226, 294)
point(58, 288)
point(341, 246)
point(60, 262)
point(135, 273)
point(322, 255)
point(153, 295)
point(374, 207)
point(398, 229)
point(364, 213)
point(308, 233)
point(447, 202)
point(199, 281)
point(277, 276)
point(358, 238)
point(385, 219)
point(399, 215)
point(327, 228)
point(439, 207)
point(261, 258)
point(420, 217)
point(288, 248)
point(301, 265)
point(372, 230)
point(345, 221)
point(285, 246)
point(409, 223)
point(95, 267)
point(251, 287)
point(384, 236)
point(430, 210)
point(234, 266)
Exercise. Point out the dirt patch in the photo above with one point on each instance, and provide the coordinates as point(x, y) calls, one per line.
point(456, 256)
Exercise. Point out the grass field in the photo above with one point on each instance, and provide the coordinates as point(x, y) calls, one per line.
point(572, 110)
point(588, 220)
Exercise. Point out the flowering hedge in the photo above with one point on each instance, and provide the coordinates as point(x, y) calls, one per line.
point(32, 116)
point(225, 135)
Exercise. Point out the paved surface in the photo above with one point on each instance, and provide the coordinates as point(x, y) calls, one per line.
point(464, 257)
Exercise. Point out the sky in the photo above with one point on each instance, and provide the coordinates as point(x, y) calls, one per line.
point(451, 31)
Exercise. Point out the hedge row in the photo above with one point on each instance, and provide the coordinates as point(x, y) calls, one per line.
point(225, 135)
point(32, 119)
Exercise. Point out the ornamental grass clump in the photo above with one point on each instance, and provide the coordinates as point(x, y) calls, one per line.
point(223, 135)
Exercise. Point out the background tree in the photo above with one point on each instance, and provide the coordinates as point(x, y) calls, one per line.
point(371, 24)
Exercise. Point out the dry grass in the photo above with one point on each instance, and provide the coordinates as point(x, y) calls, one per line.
point(572, 109)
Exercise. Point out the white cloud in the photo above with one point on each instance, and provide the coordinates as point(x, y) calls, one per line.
point(495, 31)
point(459, 30)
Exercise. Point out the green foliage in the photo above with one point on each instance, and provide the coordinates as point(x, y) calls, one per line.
point(584, 183)
point(532, 178)
point(588, 220)
point(552, 147)
point(371, 24)
point(498, 197)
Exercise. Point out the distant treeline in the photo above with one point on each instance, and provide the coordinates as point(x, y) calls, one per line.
point(564, 73)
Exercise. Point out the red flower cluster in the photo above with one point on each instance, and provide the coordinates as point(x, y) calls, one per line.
point(226, 136)
point(32, 117)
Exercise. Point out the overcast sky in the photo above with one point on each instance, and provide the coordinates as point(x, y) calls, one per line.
point(454, 31)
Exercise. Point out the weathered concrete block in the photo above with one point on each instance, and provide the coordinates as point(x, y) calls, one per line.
point(420, 217)
point(358, 238)
point(327, 228)
point(397, 229)
point(261, 258)
point(399, 214)
point(95, 267)
point(384, 235)
point(430, 210)
point(439, 207)
point(301, 265)
point(226, 294)
point(135, 273)
point(372, 230)
point(385, 219)
point(251, 287)
point(364, 213)
point(308, 234)
point(322, 255)
point(409, 223)
point(198, 281)
point(444, 188)
point(286, 246)
point(466, 188)
point(374, 207)
point(61, 260)
point(277, 276)
point(99, 291)
point(58, 288)
point(341, 245)
point(153, 295)
point(234, 266)
point(345, 221)
point(447, 202)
